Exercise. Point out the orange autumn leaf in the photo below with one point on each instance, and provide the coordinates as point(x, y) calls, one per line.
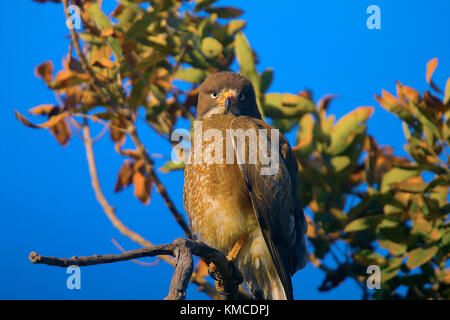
point(201, 269)
point(431, 67)
point(142, 187)
point(103, 63)
point(411, 94)
point(43, 109)
point(388, 97)
point(67, 78)
point(106, 32)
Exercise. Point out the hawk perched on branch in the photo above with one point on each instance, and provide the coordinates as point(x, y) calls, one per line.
point(253, 217)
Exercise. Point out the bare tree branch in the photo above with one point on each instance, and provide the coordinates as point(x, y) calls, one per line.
point(181, 249)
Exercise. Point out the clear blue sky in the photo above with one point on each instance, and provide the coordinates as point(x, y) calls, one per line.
point(47, 202)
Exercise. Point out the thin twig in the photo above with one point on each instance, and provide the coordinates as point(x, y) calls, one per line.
point(109, 210)
point(97, 119)
point(100, 134)
point(149, 165)
point(141, 263)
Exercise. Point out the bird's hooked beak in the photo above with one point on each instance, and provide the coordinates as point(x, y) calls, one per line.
point(228, 100)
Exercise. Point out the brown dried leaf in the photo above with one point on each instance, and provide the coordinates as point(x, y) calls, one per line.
point(61, 131)
point(124, 178)
point(51, 122)
point(117, 135)
point(324, 102)
point(44, 71)
point(74, 65)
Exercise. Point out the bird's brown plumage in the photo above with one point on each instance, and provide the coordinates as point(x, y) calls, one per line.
point(228, 202)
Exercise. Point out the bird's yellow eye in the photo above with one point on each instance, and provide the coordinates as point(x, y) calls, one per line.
point(241, 97)
point(214, 95)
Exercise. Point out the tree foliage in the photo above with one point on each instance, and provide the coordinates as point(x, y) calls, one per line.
point(366, 205)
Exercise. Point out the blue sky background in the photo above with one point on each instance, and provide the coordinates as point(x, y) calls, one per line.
point(48, 205)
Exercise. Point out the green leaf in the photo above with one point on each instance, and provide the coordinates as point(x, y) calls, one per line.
point(395, 175)
point(364, 223)
point(368, 257)
point(447, 93)
point(425, 121)
point(346, 129)
point(211, 48)
point(275, 108)
point(235, 26)
point(225, 12)
point(192, 75)
point(266, 79)
point(140, 26)
point(102, 21)
point(394, 248)
point(419, 256)
point(340, 163)
point(244, 55)
point(137, 95)
point(304, 141)
point(202, 4)
point(391, 269)
point(172, 166)
point(445, 240)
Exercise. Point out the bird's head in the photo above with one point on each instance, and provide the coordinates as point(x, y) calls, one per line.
point(227, 92)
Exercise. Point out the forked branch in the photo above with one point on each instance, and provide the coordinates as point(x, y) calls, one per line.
point(181, 249)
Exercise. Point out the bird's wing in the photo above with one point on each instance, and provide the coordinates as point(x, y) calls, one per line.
point(275, 203)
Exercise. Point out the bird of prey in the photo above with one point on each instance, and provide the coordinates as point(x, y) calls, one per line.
point(253, 218)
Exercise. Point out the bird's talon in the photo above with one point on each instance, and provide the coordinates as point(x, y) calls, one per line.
point(219, 287)
point(212, 271)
